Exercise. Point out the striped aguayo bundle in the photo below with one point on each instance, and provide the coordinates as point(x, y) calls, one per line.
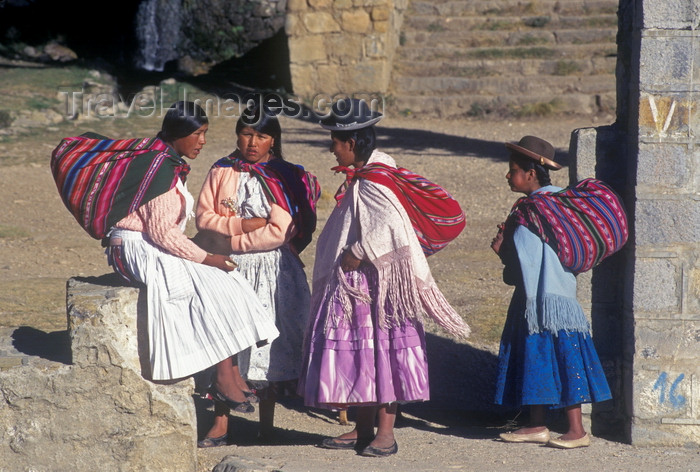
point(584, 223)
point(102, 180)
point(436, 217)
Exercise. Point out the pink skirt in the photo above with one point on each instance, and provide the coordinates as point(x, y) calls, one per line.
point(355, 362)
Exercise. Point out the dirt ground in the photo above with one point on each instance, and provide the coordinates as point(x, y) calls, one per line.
point(41, 246)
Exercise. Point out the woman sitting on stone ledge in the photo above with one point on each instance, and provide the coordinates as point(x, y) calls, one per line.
point(131, 193)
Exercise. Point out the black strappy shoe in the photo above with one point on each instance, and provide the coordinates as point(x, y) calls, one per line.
point(240, 407)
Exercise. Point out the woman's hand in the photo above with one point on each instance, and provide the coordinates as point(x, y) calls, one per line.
point(251, 224)
point(498, 240)
point(220, 262)
point(349, 262)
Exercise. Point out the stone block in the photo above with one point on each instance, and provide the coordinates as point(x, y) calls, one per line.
point(666, 117)
point(664, 167)
point(380, 13)
point(98, 413)
point(355, 21)
point(381, 26)
point(582, 150)
point(293, 26)
point(303, 77)
point(665, 395)
point(668, 62)
point(367, 77)
point(345, 49)
point(657, 288)
point(676, 341)
point(667, 222)
point(342, 4)
point(374, 46)
point(307, 49)
point(670, 14)
point(329, 79)
point(320, 22)
point(320, 4)
point(693, 291)
point(296, 5)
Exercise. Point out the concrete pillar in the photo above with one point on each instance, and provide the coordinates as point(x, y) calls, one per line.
point(649, 304)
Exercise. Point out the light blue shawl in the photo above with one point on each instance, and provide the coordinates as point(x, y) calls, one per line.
point(550, 289)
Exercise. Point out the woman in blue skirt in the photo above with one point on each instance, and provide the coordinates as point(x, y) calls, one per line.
point(547, 358)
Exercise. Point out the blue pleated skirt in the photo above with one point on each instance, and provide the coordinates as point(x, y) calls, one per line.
point(546, 369)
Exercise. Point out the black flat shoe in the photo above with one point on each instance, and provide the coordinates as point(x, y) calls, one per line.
point(214, 442)
point(335, 443)
point(240, 407)
point(371, 451)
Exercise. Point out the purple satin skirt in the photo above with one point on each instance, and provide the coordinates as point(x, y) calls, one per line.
point(355, 362)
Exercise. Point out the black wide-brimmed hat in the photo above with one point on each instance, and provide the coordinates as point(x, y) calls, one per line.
point(350, 114)
point(536, 149)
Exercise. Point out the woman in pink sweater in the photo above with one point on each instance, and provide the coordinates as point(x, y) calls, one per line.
point(199, 315)
point(260, 209)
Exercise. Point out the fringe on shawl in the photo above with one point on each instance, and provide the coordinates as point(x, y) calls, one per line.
point(554, 313)
point(440, 310)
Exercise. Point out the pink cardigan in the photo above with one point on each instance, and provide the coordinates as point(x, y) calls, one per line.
point(159, 219)
point(213, 216)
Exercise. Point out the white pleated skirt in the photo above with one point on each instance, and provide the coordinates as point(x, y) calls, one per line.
point(198, 315)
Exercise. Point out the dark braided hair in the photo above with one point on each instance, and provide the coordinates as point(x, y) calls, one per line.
point(181, 120)
point(263, 120)
point(525, 163)
point(365, 141)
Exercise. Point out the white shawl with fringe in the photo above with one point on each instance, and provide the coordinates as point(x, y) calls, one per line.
point(371, 222)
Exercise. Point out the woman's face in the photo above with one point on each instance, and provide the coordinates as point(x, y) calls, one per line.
point(521, 180)
point(190, 146)
point(344, 152)
point(254, 145)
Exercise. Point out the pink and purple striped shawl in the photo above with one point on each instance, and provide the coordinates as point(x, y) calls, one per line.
point(102, 180)
point(584, 223)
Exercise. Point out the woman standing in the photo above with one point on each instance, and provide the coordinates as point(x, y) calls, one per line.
point(365, 344)
point(547, 358)
point(260, 209)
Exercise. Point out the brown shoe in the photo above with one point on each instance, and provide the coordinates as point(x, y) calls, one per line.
point(540, 437)
point(584, 441)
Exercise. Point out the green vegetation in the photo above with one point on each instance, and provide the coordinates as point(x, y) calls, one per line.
point(530, 40)
point(12, 232)
point(537, 21)
point(566, 68)
point(497, 25)
point(436, 27)
point(518, 53)
point(537, 109)
point(35, 89)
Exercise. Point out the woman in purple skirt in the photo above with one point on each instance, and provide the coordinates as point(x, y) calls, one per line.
point(365, 344)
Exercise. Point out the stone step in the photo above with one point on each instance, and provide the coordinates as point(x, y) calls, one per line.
point(497, 85)
point(507, 23)
point(470, 38)
point(511, 104)
point(489, 68)
point(454, 53)
point(511, 7)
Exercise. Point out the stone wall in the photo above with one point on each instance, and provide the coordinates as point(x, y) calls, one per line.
point(95, 411)
point(651, 335)
point(343, 46)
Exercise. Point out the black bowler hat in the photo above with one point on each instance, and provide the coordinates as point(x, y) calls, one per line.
point(350, 114)
point(536, 149)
